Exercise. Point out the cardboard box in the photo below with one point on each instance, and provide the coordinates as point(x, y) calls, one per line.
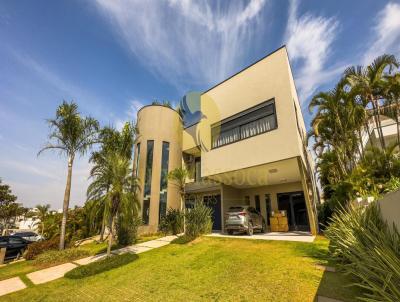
point(273, 221)
point(274, 228)
point(282, 221)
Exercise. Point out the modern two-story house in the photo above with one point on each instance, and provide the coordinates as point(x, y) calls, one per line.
point(244, 144)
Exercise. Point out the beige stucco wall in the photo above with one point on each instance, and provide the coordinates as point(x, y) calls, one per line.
point(267, 79)
point(159, 123)
point(390, 208)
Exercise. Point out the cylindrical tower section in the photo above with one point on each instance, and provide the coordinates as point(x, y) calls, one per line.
point(157, 152)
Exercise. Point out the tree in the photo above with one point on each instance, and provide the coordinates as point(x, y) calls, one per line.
point(116, 181)
point(392, 93)
point(114, 186)
point(178, 176)
point(72, 135)
point(111, 142)
point(369, 82)
point(43, 211)
point(9, 209)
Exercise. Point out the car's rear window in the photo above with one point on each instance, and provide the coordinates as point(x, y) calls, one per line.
point(235, 209)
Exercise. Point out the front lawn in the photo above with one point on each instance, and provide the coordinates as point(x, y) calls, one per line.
point(52, 258)
point(208, 269)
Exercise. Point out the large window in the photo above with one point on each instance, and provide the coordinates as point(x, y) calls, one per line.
point(137, 160)
point(254, 121)
point(147, 182)
point(164, 180)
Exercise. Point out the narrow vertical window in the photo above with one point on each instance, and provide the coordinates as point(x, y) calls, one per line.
point(257, 203)
point(268, 207)
point(137, 160)
point(164, 180)
point(147, 182)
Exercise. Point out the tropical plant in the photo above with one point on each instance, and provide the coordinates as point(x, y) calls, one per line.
point(198, 220)
point(346, 165)
point(178, 177)
point(71, 135)
point(368, 249)
point(172, 222)
point(121, 198)
point(369, 84)
point(392, 185)
point(42, 212)
point(112, 141)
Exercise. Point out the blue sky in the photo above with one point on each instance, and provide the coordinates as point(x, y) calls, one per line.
point(112, 57)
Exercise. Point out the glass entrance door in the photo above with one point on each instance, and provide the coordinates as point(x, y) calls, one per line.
point(295, 206)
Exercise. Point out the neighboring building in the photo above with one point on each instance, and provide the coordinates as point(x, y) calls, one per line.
point(389, 129)
point(246, 147)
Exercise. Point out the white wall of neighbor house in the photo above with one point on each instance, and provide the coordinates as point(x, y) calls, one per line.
point(390, 208)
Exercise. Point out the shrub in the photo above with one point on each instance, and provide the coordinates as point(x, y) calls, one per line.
point(172, 222)
point(57, 257)
point(37, 248)
point(367, 248)
point(198, 220)
point(127, 231)
point(392, 185)
point(100, 266)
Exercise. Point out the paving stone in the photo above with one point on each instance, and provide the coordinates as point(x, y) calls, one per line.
point(167, 238)
point(326, 268)
point(153, 243)
point(51, 273)
point(90, 259)
point(11, 285)
point(280, 236)
point(132, 249)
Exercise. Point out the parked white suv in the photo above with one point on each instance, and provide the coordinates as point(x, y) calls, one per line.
point(244, 219)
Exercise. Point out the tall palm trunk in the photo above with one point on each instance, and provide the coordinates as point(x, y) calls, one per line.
point(67, 195)
point(397, 120)
point(103, 227)
point(183, 209)
point(110, 236)
point(369, 133)
point(378, 123)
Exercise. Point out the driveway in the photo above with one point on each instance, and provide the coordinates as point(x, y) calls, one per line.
point(282, 236)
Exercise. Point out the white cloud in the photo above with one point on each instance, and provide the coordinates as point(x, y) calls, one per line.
point(187, 41)
point(27, 168)
point(385, 33)
point(130, 114)
point(309, 40)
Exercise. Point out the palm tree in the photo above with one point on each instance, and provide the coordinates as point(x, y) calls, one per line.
point(72, 135)
point(178, 176)
point(112, 142)
point(118, 187)
point(369, 82)
point(392, 93)
point(43, 210)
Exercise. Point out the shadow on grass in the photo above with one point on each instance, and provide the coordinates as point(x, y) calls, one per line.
point(335, 285)
point(100, 266)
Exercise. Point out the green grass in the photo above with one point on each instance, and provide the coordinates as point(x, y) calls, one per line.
point(100, 266)
point(25, 267)
point(208, 269)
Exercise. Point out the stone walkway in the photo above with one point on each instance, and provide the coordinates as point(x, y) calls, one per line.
point(280, 236)
point(56, 272)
